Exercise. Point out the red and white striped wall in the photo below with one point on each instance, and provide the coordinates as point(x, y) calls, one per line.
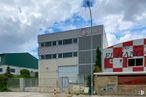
point(116, 58)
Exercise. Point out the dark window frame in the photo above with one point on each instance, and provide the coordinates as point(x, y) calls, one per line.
point(48, 56)
point(1, 69)
point(12, 70)
point(67, 55)
point(60, 42)
point(42, 57)
point(54, 56)
point(67, 41)
point(75, 54)
point(47, 44)
point(135, 62)
point(60, 55)
point(54, 43)
point(42, 44)
point(75, 40)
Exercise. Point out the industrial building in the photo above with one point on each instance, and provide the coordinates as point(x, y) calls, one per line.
point(66, 57)
point(123, 69)
point(17, 62)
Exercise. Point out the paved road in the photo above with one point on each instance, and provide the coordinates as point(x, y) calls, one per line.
point(31, 94)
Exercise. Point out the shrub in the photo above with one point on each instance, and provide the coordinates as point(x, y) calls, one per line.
point(25, 73)
point(3, 83)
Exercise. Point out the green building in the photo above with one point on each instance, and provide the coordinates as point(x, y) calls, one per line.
point(17, 62)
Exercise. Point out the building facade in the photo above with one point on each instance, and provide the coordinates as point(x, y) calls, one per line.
point(123, 69)
point(17, 62)
point(65, 57)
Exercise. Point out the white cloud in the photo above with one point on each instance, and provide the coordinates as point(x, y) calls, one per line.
point(21, 20)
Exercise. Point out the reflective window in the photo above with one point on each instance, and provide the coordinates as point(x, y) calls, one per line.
point(12, 70)
point(48, 44)
point(75, 40)
point(75, 54)
point(54, 55)
point(60, 42)
point(1, 69)
point(54, 43)
point(60, 55)
point(65, 55)
point(67, 41)
point(48, 56)
point(42, 57)
point(42, 44)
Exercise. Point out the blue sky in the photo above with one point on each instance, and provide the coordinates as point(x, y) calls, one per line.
point(123, 20)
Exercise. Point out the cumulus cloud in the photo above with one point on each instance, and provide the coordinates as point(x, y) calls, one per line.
point(22, 20)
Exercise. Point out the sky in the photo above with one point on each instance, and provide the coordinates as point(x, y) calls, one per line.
point(21, 21)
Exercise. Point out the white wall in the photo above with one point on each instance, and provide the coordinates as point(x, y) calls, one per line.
point(48, 74)
point(17, 69)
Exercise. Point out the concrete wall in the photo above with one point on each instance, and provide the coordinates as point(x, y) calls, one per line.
point(48, 74)
point(103, 86)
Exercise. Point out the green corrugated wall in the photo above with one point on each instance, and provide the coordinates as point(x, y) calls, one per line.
point(20, 60)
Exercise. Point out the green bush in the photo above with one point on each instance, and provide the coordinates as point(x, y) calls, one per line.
point(25, 73)
point(89, 83)
point(3, 83)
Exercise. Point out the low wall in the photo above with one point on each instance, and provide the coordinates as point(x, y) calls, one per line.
point(108, 85)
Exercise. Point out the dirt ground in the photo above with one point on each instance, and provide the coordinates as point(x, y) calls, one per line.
point(33, 94)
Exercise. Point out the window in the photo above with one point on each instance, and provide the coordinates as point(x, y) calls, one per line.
point(75, 40)
point(131, 62)
point(75, 54)
point(54, 43)
point(60, 55)
point(1, 69)
point(42, 44)
point(67, 41)
point(54, 55)
point(42, 57)
point(48, 44)
point(12, 70)
point(139, 62)
point(135, 62)
point(60, 42)
point(65, 55)
point(48, 56)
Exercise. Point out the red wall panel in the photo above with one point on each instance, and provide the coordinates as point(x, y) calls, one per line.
point(117, 69)
point(132, 80)
point(107, 63)
point(125, 62)
point(144, 41)
point(138, 50)
point(138, 68)
point(144, 61)
point(117, 52)
point(129, 43)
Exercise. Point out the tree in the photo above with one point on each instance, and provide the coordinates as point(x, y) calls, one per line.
point(89, 83)
point(25, 73)
point(97, 66)
point(8, 72)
